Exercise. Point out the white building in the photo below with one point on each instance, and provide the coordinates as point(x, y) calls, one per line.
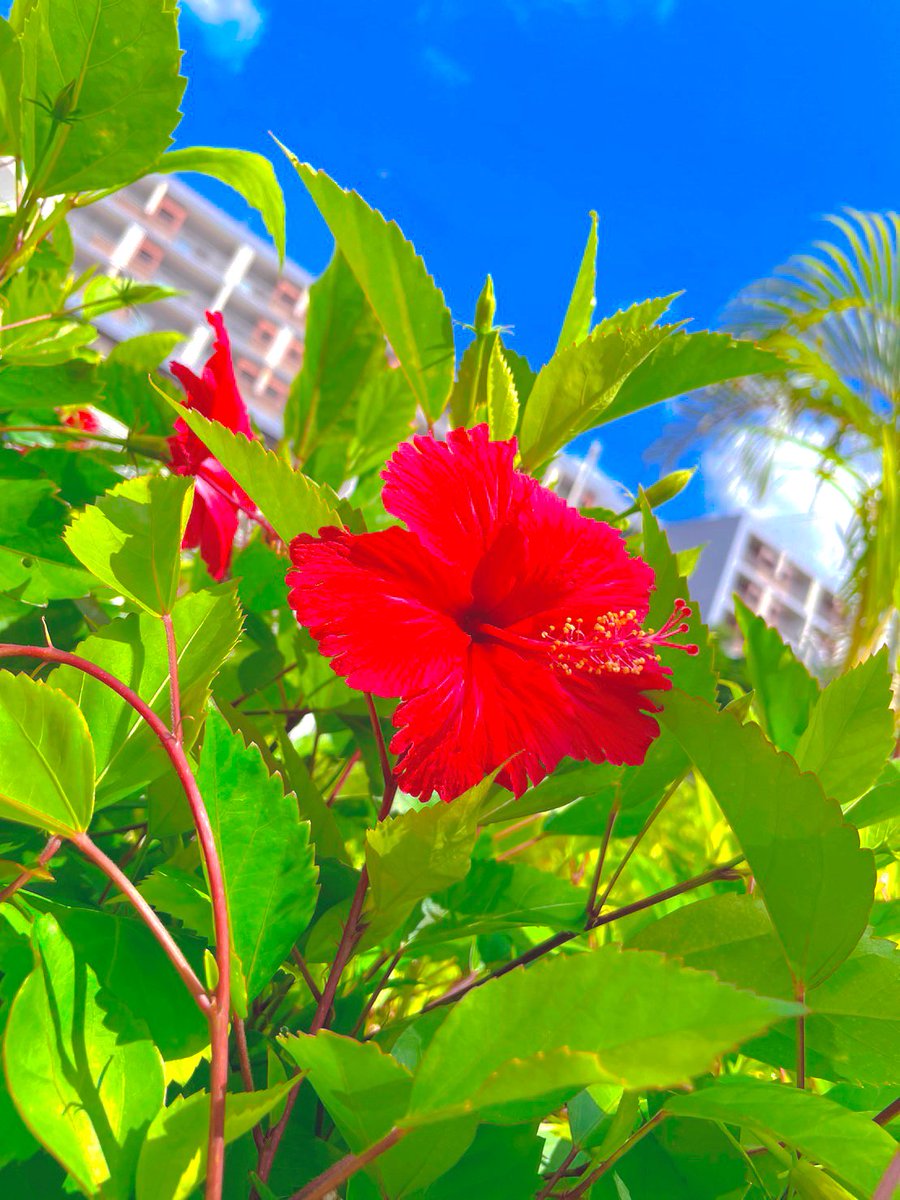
point(758, 559)
point(160, 230)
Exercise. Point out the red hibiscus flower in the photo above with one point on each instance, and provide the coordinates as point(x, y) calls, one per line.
point(80, 418)
point(218, 501)
point(509, 624)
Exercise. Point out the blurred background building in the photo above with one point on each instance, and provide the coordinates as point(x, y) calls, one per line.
point(160, 230)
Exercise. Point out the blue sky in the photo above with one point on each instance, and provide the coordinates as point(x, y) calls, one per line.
point(709, 135)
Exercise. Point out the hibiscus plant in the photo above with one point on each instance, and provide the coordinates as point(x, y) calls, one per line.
point(373, 823)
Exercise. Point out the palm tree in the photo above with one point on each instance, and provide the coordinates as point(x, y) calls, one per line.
point(834, 317)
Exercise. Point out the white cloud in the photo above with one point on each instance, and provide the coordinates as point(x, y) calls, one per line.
point(445, 68)
point(231, 27)
point(816, 514)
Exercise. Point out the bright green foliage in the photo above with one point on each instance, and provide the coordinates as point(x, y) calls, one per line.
point(657, 1026)
point(131, 538)
point(399, 289)
point(100, 91)
point(267, 861)
point(789, 830)
point(577, 323)
point(485, 388)
point(249, 174)
point(290, 501)
point(47, 764)
point(882, 803)
point(577, 384)
point(343, 348)
point(850, 731)
point(685, 362)
point(36, 388)
point(87, 1093)
point(173, 1156)
point(848, 1145)
point(206, 626)
point(784, 691)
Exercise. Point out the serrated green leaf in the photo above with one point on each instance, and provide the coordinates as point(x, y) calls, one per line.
point(47, 764)
point(131, 538)
point(853, 1148)
point(86, 1093)
point(133, 648)
point(882, 803)
point(685, 362)
point(502, 402)
point(343, 348)
point(173, 1157)
point(111, 70)
point(851, 730)
point(417, 853)
point(399, 289)
point(577, 323)
point(657, 1026)
point(784, 691)
point(267, 860)
point(575, 387)
point(45, 388)
point(789, 831)
point(366, 1092)
point(250, 175)
point(290, 501)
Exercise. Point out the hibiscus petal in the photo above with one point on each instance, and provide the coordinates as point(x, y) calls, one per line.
point(502, 707)
point(215, 394)
point(455, 495)
point(380, 607)
point(549, 562)
point(212, 526)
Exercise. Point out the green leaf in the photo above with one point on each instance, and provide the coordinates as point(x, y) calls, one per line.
point(577, 323)
point(267, 861)
point(882, 803)
point(10, 90)
point(249, 174)
point(657, 1026)
point(131, 538)
point(173, 1157)
point(685, 362)
point(399, 289)
point(851, 730)
point(847, 1144)
point(133, 648)
point(502, 402)
point(128, 394)
point(290, 501)
point(784, 691)
point(502, 1163)
point(128, 960)
point(36, 389)
point(47, 764)
point(343, 347)
point(84, 1090)
point(35, 564)
point(366, 1092)
point(577, 385)
point(679, 1160)
point(417, 853)
point(789, 831)
point(110, 71)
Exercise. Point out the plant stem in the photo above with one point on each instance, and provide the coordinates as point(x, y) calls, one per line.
point(547, 1190)
point(725, 871)
point(300, 963)
point(150, 447)
point(53, 844)
point(342, 777)
point(601, 857)
point(329, 1180)
point(589, 1180)
point(119, 879)
point(890, 1180)
point(887, 1114)
point(240, 1037)
point(379, 738)
point(800, 997)
point(626, 857)
point(220, 1007)
point(379, 988)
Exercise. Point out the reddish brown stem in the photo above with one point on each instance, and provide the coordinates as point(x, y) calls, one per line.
point(20, 881)
point(342, 778)
point(119, 879)
point(300, 964)
point(174, 686)
point(331, 1179)
point(240, 1037)
point(887, 1114)
point(547, 1190)
point(589, 1180)
point(219, 1011)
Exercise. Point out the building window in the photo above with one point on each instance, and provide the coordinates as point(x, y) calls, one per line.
point(264, 334)
point(146, 259)
point(285, 296)
point(169, 215)
point(246, 374)
point(275, 392)
point(292, 359)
